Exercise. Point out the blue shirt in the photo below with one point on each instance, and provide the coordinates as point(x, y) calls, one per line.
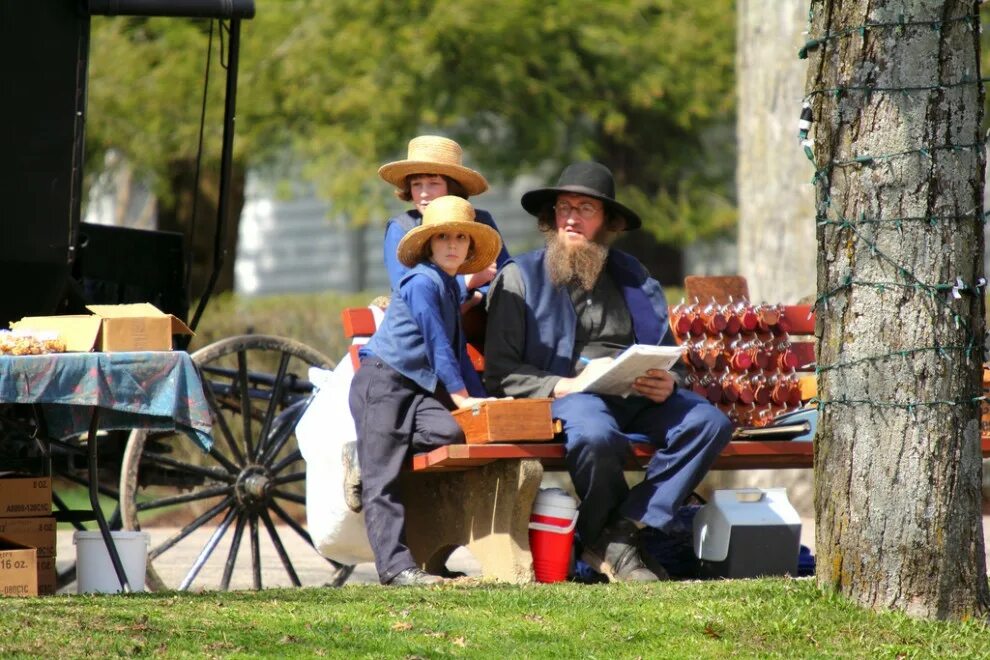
point(400, 225)
point(421, 337)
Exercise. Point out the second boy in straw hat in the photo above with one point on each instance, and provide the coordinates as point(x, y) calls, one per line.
point(413, 372)
point(433, 168)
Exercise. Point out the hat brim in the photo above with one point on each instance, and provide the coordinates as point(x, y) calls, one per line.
point(535, 201)
point(487, 243)
point(396, 173)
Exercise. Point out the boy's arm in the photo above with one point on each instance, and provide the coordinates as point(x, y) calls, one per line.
point(424, 301)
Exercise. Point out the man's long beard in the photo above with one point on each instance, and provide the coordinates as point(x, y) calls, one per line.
point(579, 264)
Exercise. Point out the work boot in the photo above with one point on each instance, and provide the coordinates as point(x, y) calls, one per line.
point(414, 577)
point(615, 554)
point(352, 476)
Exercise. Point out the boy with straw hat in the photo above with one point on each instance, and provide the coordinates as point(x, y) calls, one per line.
point(432, 168)
point(413, 373)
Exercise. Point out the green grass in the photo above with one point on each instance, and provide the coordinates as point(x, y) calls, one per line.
point(764, 618)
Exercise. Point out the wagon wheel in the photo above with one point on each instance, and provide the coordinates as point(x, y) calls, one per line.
point(252, 477)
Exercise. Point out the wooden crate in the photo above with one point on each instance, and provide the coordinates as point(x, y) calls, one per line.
point(515, 420)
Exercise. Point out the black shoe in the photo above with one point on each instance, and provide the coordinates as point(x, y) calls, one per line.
point(615, 554)
point(352, 476)
point(414, 577)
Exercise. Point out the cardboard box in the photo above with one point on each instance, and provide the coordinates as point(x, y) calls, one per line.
point(25, 497)
point(137, 327)
point(47, 576)
point(18, 569)
point(514, 420)
point(38, 533)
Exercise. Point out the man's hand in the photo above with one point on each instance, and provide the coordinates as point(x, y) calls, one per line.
point(657, 385)
point(591, 371)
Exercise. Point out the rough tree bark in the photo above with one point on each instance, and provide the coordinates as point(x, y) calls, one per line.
point(776, 201)
point(897, 458)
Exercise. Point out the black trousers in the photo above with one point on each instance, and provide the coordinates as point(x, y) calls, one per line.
point(392, 416)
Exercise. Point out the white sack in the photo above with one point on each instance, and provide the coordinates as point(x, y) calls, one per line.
point(337, 532)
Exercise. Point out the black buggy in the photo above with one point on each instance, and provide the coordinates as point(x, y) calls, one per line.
point(251, 483)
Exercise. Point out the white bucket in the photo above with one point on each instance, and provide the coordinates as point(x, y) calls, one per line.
point(94, 570)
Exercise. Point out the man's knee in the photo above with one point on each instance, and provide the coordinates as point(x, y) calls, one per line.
point(597, 442)
point(715, 427)
point(704, 428)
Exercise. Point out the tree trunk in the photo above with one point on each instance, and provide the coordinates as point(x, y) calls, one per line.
point(175, 214)
point(773, 179)
point(899, 158)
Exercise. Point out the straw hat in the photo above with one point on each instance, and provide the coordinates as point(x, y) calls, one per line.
point(589, 179)
point(451, 214)
point(431, 154)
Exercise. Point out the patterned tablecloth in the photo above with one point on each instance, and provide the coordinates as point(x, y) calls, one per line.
point(152, 390)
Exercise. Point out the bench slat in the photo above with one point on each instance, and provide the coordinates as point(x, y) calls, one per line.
point(739, 454)
point(477, 359)
point(799, 319)
point(805, 353)
point(357, 322)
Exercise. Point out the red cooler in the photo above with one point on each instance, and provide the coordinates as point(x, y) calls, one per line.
point(551, 534)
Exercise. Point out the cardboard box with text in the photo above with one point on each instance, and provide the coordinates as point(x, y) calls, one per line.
point(25, 497)
point(136, 327)
point(18, 569)
point(38, 533)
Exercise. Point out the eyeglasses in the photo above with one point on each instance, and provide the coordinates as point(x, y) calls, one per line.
point(586, 210)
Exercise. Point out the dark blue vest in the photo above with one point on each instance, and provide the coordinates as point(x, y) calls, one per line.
point(551, 321)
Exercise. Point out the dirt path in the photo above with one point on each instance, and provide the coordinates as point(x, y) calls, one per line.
point(313, 570)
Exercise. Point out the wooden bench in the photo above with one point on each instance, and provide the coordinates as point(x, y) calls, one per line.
point(480, 495)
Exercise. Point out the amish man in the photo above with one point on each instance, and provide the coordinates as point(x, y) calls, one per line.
point(554, 310)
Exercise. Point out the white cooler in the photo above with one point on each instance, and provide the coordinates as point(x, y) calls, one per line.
point(748, 532)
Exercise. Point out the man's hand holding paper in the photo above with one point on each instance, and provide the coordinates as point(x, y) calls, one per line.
point(656, 385)
point(640, 369)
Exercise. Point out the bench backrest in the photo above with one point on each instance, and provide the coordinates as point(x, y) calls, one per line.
point(796, 325)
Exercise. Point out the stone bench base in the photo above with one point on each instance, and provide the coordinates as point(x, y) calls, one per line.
point(485, 509)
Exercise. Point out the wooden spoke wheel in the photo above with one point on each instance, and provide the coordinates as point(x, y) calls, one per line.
point(199, 507)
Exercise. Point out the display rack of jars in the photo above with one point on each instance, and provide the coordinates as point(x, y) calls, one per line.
point(739, 357)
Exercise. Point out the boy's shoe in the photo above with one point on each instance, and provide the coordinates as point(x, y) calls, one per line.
point(414, 577)
point(352, 476)
point(615, 554)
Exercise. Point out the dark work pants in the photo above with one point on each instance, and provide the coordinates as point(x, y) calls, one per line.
point(392, 415)
point(687, 431)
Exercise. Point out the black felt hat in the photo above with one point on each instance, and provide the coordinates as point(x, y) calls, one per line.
point(588, 178)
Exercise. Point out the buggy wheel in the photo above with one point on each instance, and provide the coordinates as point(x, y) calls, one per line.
point(242, 503)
